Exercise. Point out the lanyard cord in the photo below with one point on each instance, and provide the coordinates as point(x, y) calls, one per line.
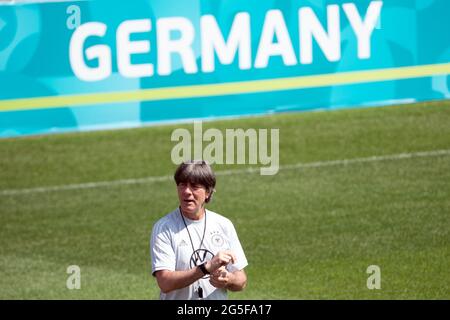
point(190, 238)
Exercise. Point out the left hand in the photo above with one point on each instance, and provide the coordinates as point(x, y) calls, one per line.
point(221, 278)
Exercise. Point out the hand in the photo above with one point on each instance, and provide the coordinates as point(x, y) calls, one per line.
point(222, 258)
point(221, 278)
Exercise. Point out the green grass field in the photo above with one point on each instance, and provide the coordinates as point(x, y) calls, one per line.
point(308, 233)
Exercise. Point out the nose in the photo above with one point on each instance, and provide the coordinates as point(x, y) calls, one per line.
point(186, 190)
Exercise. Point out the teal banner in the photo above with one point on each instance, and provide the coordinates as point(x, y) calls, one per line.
point(89, 65)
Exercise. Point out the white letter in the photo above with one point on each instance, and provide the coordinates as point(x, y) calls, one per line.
point(100, 52)
point(125, 48)
point(198, 140)
point(274, 25)
point(213, 41)
point(363, 29)
point(309, 27)
point(73, 21)
point(374, 281)
point(184, 146)
point(274, 158)
point(182, 46)
point(215, 147)
point(240, 136)
point(74, 280)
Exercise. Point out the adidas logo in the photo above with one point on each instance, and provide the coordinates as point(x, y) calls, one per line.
point(183, 243)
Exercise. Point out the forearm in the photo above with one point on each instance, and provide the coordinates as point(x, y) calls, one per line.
point(238, 281)
point(173, 280)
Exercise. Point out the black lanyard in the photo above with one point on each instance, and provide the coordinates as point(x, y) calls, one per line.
point(190, 238)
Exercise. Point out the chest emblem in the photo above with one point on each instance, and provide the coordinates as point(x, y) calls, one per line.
point(217, 239)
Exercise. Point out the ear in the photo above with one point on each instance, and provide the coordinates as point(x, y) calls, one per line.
point(209, 195)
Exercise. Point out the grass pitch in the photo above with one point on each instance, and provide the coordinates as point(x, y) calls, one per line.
point(308, 233)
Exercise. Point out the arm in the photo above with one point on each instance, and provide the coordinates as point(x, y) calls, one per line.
point(173, 280)
point(233, 281)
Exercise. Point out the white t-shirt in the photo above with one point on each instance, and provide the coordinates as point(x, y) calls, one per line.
point(171, 249)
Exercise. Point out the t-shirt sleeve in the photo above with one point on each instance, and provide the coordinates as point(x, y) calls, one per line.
point(236, 247)
point(161, 249)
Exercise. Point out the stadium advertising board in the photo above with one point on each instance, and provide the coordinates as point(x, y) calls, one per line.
point(87, 65)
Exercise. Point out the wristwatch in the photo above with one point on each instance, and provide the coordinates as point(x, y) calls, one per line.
point(203, 268)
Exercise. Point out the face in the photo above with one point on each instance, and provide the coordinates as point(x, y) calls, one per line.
point(192, 197)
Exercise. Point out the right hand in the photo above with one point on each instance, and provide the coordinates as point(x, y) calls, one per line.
point(222, 258)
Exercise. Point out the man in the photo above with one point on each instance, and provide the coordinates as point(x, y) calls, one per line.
point(196, 253)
